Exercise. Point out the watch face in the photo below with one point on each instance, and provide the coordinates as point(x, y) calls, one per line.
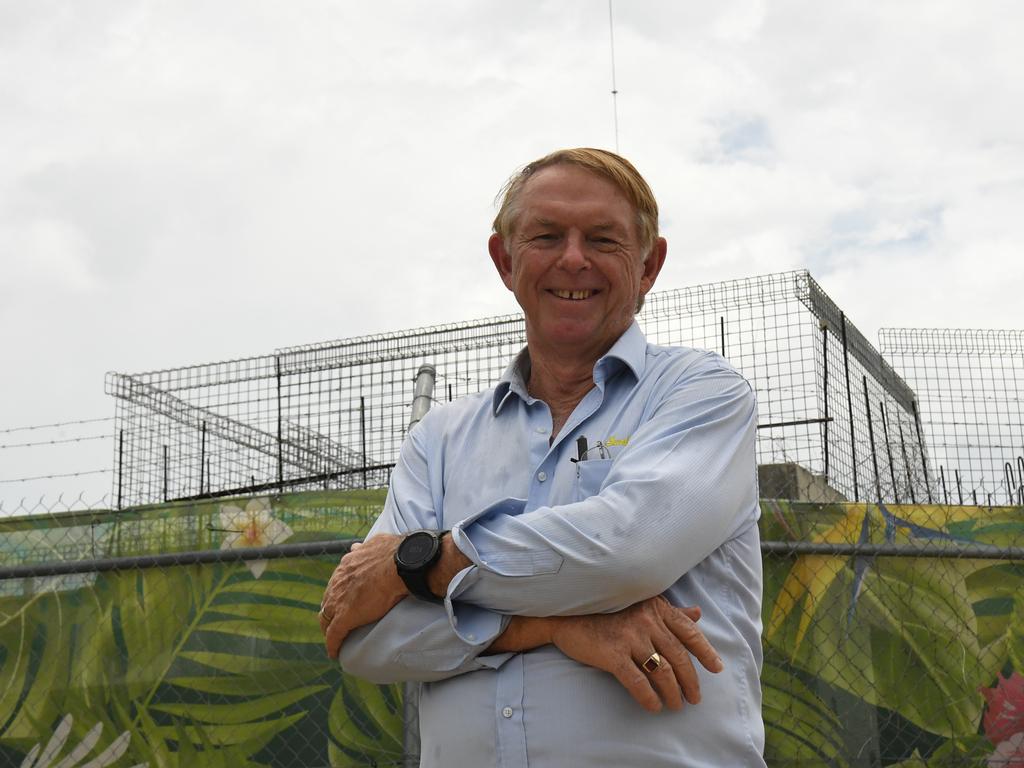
point(417, 548)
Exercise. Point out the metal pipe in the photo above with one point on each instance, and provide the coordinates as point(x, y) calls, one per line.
point(338, 546)
point(422, 393)
point(949, 550)
point(169, 559)
point(796, 423)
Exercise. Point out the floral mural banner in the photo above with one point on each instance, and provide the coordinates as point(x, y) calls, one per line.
point(887, 660)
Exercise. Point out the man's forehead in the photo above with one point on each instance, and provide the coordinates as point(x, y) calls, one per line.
point(553, 191)
point(571, 173)
point(534, 218)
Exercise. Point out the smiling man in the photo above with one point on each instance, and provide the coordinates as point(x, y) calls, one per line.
point(547, 548)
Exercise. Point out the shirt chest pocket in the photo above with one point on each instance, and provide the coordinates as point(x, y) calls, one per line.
point(590, 475)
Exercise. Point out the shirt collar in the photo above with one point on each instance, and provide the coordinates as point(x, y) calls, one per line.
point(630, 351)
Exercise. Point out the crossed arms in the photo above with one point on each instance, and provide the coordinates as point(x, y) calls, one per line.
point(586, 577)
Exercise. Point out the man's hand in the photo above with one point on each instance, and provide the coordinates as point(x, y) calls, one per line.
point(363, 588)
point(619, 643)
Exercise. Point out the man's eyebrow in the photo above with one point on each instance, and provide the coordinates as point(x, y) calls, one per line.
point(602, 226)
point(609, 225)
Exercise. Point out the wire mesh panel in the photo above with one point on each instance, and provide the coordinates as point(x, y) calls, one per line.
point(329, 415)
point(970, 385)
point(333, 415)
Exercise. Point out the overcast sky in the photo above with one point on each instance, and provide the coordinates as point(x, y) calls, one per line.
point(185, 182)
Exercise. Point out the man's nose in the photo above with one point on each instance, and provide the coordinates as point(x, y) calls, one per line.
point(574, 255)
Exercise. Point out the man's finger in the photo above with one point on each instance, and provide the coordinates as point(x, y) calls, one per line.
point(337, 631)
point(663, 679)
point(692, 612)
point(633, 680)
point(684, 675)
point(693, 639)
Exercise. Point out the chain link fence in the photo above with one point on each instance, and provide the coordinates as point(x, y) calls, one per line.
point(185, 634)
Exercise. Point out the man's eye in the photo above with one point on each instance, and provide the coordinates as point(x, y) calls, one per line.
point(606, 243)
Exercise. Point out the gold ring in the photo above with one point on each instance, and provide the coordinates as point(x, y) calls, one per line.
point(652, 663)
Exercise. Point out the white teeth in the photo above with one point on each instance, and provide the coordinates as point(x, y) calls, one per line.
point(575, 295)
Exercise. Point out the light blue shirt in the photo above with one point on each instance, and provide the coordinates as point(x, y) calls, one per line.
point(665, 503)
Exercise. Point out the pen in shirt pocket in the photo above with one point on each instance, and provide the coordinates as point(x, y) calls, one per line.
point(581, 448)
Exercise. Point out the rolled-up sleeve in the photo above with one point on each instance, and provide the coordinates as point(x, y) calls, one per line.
point(417, 640)
point(685, 484)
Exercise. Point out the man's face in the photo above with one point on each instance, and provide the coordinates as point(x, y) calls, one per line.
point(573, 260)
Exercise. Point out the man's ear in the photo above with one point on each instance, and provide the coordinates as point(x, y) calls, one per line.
point(502, 258)
point(652, 265)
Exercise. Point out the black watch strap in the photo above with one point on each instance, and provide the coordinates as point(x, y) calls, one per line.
point(416, 582)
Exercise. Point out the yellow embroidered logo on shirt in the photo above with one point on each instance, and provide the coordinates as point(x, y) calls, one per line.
point(616, 441)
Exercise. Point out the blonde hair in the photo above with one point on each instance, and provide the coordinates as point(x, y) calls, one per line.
point(606, 164)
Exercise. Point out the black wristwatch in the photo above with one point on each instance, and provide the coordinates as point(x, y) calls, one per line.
point(418, 551)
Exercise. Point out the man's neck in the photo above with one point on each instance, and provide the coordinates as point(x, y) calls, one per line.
point(561, 382)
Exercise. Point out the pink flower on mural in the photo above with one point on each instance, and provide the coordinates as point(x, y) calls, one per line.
point(1003, 722)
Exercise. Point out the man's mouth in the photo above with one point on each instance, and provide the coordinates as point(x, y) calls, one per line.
point(573, 295)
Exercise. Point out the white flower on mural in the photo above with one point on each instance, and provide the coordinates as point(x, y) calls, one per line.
point(254, 526)
point(44, 757)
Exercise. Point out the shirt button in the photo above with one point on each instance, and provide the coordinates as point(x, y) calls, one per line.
point(506, 712)
point(541, 431)
point(542, 476)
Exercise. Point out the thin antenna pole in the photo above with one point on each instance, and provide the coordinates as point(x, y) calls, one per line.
point(615, 90)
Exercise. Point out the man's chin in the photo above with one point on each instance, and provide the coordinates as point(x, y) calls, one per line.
point(574, 336)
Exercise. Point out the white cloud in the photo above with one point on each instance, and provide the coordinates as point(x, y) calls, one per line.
point(46, 255)
point(186, 181)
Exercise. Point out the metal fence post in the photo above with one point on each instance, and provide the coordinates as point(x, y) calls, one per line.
point(202, 457)
point(871, 442)
point(888, 452)
point(824, 387)
point(849, 407)
point(120, 465)
point(280, 442)
point(362, 434)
